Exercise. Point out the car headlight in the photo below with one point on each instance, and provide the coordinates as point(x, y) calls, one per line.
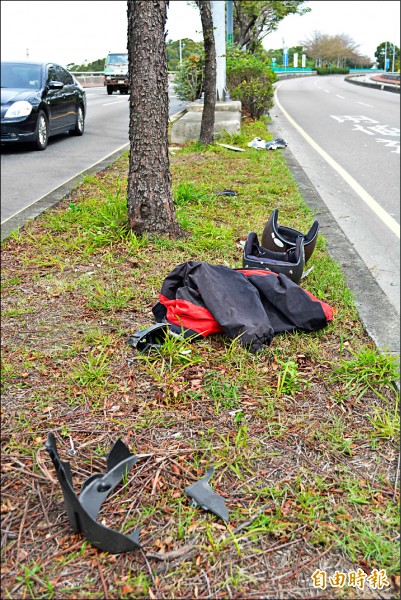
point(19, 109)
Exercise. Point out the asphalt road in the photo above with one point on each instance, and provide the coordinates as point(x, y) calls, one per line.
point(27, 176)
point(345, 139)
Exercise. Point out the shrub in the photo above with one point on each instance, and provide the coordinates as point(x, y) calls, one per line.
point(331, 71)
point(250, 80)
point(188, 81)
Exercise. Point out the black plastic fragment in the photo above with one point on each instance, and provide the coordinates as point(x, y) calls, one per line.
point(277, 143)
point(83, 510)
point(151, 337)
point(203, 495)
point(227, 193)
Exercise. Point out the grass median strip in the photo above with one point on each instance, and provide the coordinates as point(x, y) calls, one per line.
point(303, 436)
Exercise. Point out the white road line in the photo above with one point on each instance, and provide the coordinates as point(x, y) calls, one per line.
point(64, 182)
point(363, 104)
point(115, 102)
point(358, 189)
point(327, 91)
point(342, 97)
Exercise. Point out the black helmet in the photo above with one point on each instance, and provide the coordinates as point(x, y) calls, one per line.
point(290, 263)
point(281, 238)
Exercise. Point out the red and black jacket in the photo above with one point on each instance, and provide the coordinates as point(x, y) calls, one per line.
point(251, 303)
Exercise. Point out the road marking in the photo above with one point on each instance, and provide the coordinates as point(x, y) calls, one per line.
point(64, 183)
point(342, 97)
point(358, 189)
point(327, 91)
point(363, 104)
point(115, 102)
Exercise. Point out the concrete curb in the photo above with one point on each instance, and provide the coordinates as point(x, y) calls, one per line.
point(51, 199)
point(386, 87)
point(379, 318)
point(187, 127)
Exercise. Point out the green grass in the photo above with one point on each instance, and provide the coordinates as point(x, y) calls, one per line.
point(303, 436)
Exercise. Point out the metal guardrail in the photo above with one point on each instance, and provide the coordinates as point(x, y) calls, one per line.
point(95, 73)
point(88, 73)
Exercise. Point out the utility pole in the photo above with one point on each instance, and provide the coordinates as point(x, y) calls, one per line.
point(180, 53)
point(230, 23)
point(392, 66)
point(218, 14)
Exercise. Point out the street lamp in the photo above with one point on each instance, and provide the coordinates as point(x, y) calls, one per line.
point(181, 47)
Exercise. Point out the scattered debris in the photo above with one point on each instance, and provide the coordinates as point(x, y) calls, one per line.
point(82, 511)
point(202, 495)
point(227, 193)
point(173, 149)
point(71, 451)
point(277, 143)
point(257, 143)
point(151, 337)
point(306, 273)
point(235, 148)
point(260, 144)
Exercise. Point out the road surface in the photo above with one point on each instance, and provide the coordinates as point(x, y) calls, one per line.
point(346, 140)
point(28, 175)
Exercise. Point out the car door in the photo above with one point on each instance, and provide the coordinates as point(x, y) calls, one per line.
point(70, 100)
point(55, 100)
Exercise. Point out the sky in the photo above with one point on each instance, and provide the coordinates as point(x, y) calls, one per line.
point(76, 31)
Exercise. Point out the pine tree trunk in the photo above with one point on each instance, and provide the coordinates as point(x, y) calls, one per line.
point(150, 200)
point(208, 116)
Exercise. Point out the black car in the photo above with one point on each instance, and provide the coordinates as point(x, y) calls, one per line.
point(39, 100)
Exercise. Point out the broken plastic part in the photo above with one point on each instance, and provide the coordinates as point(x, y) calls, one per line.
point(151, 337)
point(260, 144)
point(83, 510)
point(277, 143)
point(203, 495)
point(227, 193)
point(257, 143)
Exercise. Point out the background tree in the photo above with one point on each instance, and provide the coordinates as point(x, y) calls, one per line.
point(337, 51)
point(254, 19)
point(188, 48)
point(208, 117)
point(150, 200)
point(188, 82)
point(380, 55)
point(95, 65)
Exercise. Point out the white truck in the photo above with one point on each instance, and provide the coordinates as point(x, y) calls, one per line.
point(116, 73)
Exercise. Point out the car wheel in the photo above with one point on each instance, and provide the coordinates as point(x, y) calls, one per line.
point(109, 89)
point(80, 123)
point(42, 131)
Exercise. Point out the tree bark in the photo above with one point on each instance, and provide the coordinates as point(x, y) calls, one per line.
point(207, 124)
point(150, 200)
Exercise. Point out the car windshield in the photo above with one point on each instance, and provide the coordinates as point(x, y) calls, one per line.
point(20, 76)
point(117, 59)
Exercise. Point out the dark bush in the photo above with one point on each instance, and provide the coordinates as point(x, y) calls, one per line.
point(250, 80)
point(331, 71)
point(188, 83)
